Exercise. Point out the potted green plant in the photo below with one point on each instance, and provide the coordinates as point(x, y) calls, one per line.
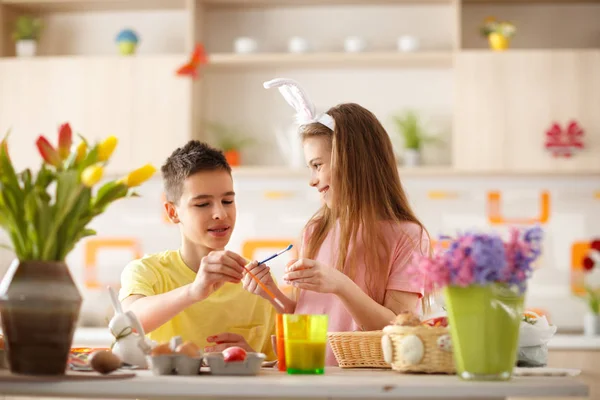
point(45, 214)
point(26, 33)
point(229, 140)
point(591, 321)
point(413, 135)
point(498, 33)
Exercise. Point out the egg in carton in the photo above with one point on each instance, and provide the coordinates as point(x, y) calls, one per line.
point(175, 358)
point(249, 365)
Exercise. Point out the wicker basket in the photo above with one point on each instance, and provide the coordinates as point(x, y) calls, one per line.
point(420, 348)
point(358, 349)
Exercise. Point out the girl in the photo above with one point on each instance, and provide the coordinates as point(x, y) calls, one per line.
point(357, 247)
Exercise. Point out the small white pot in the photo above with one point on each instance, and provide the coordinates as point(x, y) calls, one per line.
point(245, 45)
point(591, 324)
point(412, 157)
point(407, 44)
point(26, 48)
point(355, 44)
point(298, 45)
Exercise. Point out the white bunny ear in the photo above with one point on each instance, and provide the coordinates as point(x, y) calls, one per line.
point(296, 97)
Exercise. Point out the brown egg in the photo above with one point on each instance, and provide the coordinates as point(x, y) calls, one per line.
point(161, 349)
point(189, 349)
point(104, 361)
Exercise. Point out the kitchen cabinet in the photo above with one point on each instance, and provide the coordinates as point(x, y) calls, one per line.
point(505, 103)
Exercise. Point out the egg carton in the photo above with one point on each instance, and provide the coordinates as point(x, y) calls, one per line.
point(174, 364)
point(250, 366)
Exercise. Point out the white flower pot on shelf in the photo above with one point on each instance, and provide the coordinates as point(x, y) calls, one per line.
point(412, 157)
point(26, 48)
point(407, 44)
point(591, 324)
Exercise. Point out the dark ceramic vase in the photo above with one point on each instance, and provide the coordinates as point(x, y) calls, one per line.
point(39, 304)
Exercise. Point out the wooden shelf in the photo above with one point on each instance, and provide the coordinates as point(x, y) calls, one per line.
point(295, 3)
point(45, 6)
point(423, 171)
point(529, 2)
point(391, 59)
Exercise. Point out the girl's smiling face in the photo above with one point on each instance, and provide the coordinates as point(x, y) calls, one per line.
point(317, 153)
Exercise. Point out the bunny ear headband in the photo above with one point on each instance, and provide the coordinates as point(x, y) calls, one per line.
point(298, 99)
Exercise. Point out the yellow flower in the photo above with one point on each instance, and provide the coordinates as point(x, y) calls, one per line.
point(138, 176)
point(92, 175)
point(81, 151)
point(106, 148)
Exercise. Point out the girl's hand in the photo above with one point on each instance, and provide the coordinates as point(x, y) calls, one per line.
point(313, 275)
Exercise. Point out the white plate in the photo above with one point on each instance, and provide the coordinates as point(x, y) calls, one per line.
point(545, 371)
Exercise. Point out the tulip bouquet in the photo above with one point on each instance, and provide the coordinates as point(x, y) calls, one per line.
point(46, 214)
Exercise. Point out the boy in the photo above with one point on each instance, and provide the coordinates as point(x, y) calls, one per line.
point(195, 292)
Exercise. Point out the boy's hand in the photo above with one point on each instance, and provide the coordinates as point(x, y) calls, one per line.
point(263, 273)
point(225, 340)
point(215, 269)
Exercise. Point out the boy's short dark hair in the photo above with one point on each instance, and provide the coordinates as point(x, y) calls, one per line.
point(195, 156)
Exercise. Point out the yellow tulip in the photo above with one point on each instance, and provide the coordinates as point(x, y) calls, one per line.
point(138, 176)
point(81, 151)
point(106, 148)
point(92, 175)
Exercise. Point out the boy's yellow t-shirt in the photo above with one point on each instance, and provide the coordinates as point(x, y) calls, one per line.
point(229, 309)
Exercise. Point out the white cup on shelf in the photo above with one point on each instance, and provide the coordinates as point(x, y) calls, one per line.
point(355, 44)
point(298, 45)
point(407, 43)
point(245, 45)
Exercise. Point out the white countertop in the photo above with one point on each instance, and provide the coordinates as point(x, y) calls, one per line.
point(101, 337)
point(336, 383)
point(574, 342)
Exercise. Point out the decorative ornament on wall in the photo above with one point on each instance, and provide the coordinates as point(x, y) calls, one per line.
point(592, 259)
point(564, 142)
point(197, 58)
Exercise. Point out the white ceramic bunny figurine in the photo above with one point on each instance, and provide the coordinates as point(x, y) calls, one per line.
point(129, 346)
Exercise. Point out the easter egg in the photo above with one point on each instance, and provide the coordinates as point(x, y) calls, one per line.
point(234, 354)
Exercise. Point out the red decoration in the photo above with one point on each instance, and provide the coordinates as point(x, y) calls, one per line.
point(588, 264)
point(191, 68)
point(593, 256)
point(563, 143)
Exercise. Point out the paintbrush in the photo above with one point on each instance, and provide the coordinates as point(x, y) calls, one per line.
point(262, 285)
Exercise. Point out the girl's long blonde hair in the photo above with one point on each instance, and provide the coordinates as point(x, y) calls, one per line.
point(366, 190)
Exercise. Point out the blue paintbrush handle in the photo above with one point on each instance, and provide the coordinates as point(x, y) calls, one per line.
point(275, 255)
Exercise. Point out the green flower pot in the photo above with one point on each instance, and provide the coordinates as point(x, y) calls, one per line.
point(484, 326)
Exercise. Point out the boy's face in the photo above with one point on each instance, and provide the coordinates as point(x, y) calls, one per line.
point(206, 210)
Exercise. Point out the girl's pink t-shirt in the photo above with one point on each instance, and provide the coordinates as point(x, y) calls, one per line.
point(403, 240)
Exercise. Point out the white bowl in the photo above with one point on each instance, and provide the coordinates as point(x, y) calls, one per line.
point(245, 45)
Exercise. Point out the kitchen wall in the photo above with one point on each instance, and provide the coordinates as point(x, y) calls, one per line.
point(273, 211)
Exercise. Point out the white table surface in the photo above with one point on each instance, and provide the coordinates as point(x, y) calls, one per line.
point(335, 384)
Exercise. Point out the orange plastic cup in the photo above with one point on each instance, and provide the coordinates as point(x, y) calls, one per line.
point(280, 343)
